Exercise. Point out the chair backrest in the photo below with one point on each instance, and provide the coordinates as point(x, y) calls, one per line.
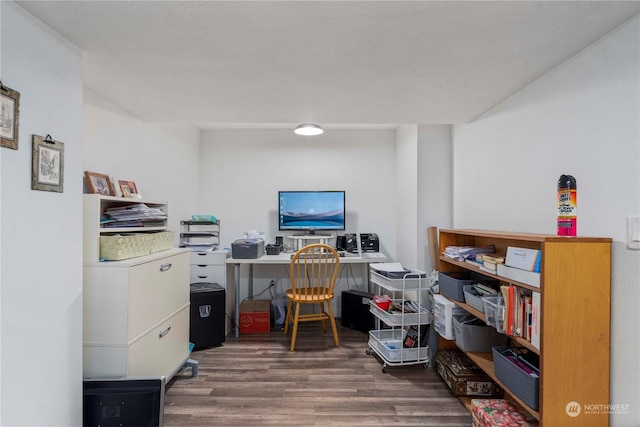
point(314, 270)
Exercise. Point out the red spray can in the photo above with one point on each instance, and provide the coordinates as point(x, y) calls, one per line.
point(567, 206)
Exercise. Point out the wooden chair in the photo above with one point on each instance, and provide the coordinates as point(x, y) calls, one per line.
point(313, 272)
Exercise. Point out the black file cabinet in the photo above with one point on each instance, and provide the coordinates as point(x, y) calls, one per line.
point(207, 315)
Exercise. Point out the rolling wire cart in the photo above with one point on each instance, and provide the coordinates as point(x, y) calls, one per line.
point(400, 343)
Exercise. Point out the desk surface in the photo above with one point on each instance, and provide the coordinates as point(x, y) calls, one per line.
point(285, 258)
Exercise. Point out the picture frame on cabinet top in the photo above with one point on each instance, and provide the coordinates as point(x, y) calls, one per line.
point(126, 188)
point(99, 183)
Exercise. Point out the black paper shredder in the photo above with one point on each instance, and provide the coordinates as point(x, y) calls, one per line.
point(207, 328)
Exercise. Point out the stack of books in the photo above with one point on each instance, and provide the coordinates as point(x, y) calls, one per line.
point(489, 262)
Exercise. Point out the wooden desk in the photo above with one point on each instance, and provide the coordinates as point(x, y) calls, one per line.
point(284, 258)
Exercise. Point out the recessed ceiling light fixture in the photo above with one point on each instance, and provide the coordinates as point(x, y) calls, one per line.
point(308, 129)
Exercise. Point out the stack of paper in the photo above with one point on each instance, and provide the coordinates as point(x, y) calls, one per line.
point(134, 215)
point(460, 253)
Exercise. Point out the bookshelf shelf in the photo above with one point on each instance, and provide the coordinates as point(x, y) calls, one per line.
point(575, 300)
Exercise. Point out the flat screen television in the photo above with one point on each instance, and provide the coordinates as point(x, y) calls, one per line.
point(311, 211)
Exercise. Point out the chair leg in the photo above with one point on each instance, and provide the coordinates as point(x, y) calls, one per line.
point(333, 324)
point(324, 324)
point(294, 332)
point(288, 318)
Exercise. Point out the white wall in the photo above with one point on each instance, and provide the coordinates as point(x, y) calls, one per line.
point(162, 159)
point(241, 172)
point(583, 119)
point(41, 276)
point(434, 186)
point(406, 195)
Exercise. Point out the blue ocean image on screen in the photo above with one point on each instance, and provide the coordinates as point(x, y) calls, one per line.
point(312, 210)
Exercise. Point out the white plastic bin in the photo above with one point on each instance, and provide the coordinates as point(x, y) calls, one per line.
point(443, 311)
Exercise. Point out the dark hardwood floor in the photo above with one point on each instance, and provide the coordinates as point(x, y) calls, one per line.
point(256, 381)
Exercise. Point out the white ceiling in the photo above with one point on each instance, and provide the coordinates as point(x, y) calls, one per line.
point(336, 63)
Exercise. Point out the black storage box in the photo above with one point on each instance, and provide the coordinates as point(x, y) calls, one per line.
point(355, 311)
point(247, 248)
point(127, 402)
point(274, 249)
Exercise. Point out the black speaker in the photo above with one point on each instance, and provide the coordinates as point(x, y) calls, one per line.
point(355, 311)
point(341, 243)
point(279, 240)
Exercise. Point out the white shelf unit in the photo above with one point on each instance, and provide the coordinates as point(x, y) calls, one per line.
point(388, 343)
point(201, 234)
point(94, 207)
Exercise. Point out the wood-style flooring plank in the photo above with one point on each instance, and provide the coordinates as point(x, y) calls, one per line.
point(256, 381)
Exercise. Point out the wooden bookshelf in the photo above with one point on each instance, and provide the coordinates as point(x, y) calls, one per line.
point(575, 293)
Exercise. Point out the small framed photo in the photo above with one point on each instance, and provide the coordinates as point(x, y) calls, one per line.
point(9, 114)
point(127, 188)
point(99, 183)
point(47, 170)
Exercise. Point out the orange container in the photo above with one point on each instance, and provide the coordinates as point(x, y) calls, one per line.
point(255, 317)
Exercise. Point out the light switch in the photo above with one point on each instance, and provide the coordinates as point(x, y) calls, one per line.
point(633, 232)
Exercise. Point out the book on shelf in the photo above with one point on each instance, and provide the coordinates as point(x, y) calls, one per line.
point(535, 319)
point(416, 336)
point(495, 258)
point(521, 313)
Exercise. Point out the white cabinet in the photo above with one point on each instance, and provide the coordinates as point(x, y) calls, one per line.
point(136, 315)
point(400, 343)
point(209, 266)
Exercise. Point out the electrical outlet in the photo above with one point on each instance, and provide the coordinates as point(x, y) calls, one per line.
point(633, 232)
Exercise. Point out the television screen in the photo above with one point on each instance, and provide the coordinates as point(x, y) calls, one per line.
point(123, 402)
point(311, 210)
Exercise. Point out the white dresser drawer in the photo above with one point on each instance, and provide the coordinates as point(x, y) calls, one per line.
point(163, 349)
point(208, 273)
point(156, 289)
point(210, 258)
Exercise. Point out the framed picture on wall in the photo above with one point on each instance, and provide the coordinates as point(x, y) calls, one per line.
point(47, 170)
point(99, 183)
point(9, 113)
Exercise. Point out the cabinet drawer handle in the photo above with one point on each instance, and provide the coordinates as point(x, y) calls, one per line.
point(202, 277)
point(164, 332)
point(165, 267)
point(202, 254)
point(202, 265)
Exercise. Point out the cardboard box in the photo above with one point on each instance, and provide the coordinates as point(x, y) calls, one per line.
point(254, 317)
